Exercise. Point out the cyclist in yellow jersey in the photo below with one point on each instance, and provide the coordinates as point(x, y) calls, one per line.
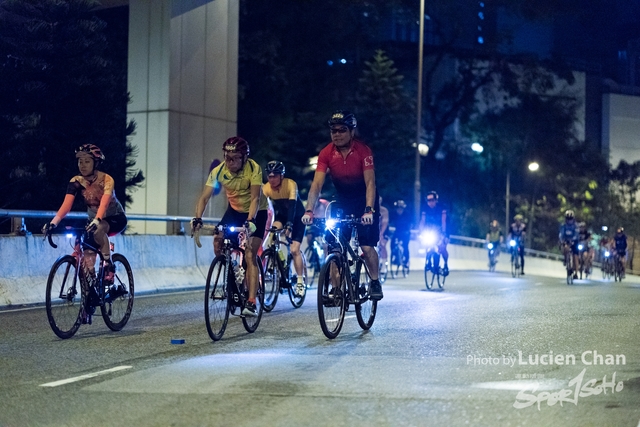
point(241, 179)
point(288, 209)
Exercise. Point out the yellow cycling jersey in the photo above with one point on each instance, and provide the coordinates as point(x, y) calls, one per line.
point(288, 190)
point(238, 186)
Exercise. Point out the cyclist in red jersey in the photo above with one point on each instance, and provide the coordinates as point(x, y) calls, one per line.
point(350, 163)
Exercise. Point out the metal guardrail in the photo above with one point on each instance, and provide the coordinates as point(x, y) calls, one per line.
point(19, 227)
point(479, 243)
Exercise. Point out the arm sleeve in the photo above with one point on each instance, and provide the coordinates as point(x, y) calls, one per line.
point(67, 204)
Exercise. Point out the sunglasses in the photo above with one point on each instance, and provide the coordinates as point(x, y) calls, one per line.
point(232, 159)
point(431, 200)
point(339, 130)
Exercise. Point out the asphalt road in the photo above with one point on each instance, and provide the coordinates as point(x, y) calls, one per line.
point(460, 357)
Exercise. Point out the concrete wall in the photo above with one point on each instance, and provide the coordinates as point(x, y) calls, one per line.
point(159, 263)
point(164, 263)
point(183, 78)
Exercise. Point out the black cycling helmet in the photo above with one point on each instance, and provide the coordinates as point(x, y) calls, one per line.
point(432, 193)
point(274, 167)
point(569, 214)
point(400, 204)
point(343, 117)
point(620, 230)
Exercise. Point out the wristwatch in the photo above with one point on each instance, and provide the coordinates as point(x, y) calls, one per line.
point(369, 209)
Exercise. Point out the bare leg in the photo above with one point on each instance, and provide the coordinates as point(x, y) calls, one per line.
point(371, 259)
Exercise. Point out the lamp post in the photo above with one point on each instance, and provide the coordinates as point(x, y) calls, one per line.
point(533, 167)
point(416, 184)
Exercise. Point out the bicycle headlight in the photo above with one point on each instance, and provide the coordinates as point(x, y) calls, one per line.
point(580, 247)
point(490, 246)
point(428, 238)
point(232, 229)
point(512, 243)
point(70, 236)
point(330, 223)
point(607, 253)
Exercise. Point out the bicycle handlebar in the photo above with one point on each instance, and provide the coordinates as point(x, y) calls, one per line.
point(48, 236)
point(221, 228)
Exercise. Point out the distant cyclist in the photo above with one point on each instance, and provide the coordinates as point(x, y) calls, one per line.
point(495, 237)
point(384, 239)
point(400, 220)
point(288, 210)
point(584, 239)
point(106, 214)
point(569, 235)
point(435, 218)
point(620, 245)
point(517, 232)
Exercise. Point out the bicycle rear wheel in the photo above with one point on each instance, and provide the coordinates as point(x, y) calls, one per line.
point(332, 299)
point(366, 308)
point(271, 279)
point(296, 301)
point(216, 299)
point(312, 265)
point(119, 301)
point(251, 323)
point(64, 297)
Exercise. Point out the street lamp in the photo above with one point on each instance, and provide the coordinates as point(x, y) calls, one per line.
point(533, 167)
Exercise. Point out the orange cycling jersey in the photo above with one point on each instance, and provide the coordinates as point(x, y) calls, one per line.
point(98, 194)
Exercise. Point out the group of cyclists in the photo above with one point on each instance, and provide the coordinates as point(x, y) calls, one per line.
point(350, 164)
point(574, 238)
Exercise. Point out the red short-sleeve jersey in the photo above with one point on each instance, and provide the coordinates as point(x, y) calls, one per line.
point(347, 172)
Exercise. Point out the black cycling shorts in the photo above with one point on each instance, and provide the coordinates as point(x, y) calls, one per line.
point(298, 228)
point(237, 219)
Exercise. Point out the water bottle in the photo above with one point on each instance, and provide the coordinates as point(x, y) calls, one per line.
point(238, 272)
point(282, 255)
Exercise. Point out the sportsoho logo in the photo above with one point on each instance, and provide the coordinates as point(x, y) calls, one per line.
point(577, 388)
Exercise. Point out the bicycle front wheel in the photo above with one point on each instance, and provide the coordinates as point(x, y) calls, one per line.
point(332, 296)
point(366, 308)
point(64, 297)
point(118, 304)
point(251, 323)
point(216, 300)
point(271, 279)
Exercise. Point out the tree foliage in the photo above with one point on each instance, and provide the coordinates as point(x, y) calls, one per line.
point(60, 89)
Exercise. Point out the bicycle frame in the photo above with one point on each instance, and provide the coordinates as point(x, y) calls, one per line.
point(348, 254)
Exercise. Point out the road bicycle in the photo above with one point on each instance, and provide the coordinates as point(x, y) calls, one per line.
point(568, 262)
point(278, 277)
point(398, 267)
point(314, 258)
point(516, 249)
point(618, 267)
point(434, 271)
point(226, 290)
point(344, 280)
point(607, 266)
point(74, 290)
point(493, 255)
point(584, 260)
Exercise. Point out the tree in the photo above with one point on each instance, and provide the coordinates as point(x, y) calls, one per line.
point(59, 91)
point(386, 122)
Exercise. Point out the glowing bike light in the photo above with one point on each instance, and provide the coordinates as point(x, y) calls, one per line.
point(490, 245)
point(512, 243)
point(580, 247)
point(232, 229)
point(330, 223)
point(70, 236)
point(428, 238)
point(607, 253)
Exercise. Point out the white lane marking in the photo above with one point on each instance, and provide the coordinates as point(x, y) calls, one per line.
point(350, 317)
point(84, 377)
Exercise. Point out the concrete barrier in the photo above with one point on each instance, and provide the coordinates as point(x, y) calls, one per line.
point(165, 263)
point(159, 263)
